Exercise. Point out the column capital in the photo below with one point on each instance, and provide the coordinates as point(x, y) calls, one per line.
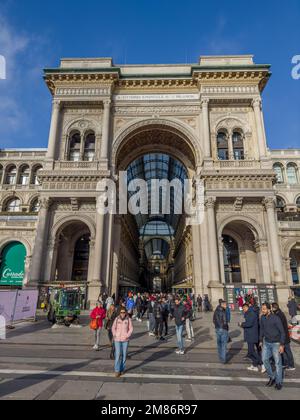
point(56, 104)
point(210, 202)
point(45, 203)
point(205, 102)
point(269, 203)
point(257, 103)
point(260, 243)
point(107, 102)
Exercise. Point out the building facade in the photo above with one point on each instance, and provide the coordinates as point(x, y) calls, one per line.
point(202, 121)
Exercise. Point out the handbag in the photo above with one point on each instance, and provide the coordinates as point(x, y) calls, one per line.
point(94, 324)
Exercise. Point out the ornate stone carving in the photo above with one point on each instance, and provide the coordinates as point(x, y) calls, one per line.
point(238, 204)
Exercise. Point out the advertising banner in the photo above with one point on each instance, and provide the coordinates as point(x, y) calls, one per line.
point(7, 305)
point(13, 265)
point(26, 305)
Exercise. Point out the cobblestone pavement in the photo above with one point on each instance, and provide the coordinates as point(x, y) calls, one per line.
point(40, 362)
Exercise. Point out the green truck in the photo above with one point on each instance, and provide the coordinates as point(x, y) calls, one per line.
point(64, 306)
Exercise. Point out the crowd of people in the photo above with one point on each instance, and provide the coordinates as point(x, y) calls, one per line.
point(265, 329)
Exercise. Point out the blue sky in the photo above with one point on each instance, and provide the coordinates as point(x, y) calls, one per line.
point(36, 34)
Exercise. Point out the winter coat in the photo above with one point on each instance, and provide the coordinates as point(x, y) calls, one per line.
point(220, 319)
point(122, 329)
point(102, 315)
point(179, 314)
point(111, 316)
point(283, 319)
point(130, 305)
point(158, 310)
point(251, 334)
point(292, 305)
point(271, 329)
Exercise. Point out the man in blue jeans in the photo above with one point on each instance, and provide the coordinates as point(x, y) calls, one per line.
point(272, 338)
point(222, 328)
point(179, 314)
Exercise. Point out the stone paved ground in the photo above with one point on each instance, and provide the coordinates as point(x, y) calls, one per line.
point(37, 362)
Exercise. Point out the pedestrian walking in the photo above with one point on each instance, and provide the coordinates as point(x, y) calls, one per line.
point(207, 305)
point(188, 322)
point(111, 315)
point(200, 303)
point(139, 307)
point(151, 317)
point(292, 307)
point(221, 326)
point(98, 315)
point(251, 336)
point(179, 315)
point(122, 331)
point(272, 339)
point(165, 315)
point(130, 305)
point(287, 356)
point(109, 302)
point(158, 314)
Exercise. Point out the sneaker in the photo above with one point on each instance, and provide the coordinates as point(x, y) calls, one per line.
point(182, 353)
point(278, 387)
point(95, 347)
point(263, 369)
point(253, 369)
point(290, 369)
point(189, 340)
point(178, 351)
point(151, 335)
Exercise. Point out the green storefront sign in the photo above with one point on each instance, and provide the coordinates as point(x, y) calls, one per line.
point(12, 265)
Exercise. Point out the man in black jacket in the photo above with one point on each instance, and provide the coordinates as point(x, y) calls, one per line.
point(272, 337)
point(251, 336)
point(178, 312)
point(293, 307)
point(288, 358)
point(222, 328)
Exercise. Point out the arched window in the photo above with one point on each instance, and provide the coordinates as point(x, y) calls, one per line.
point(35, 175)
point(35, 207)
point(75, 145)
point(24, 175)
point(222, 144)
point(291, 172)
point(13, 206)
point(279, 173)
point(232, 264)
point(298, 203)
point(11, 176)
point(238, 146)
point(1, 173)
point(280, 204)
point(89, 147)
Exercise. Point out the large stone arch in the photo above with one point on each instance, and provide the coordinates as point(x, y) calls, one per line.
point(249, 221)
point(60, 225)
point(189, 150)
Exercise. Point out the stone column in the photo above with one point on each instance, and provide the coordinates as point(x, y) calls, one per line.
point(274, 240)
point(105, 129)
point(257, 106)
point(116, 250)
point(40, 240)
point(261, 247)
point(206, 128)
point(97, 284)
point(56, 105)
point(230, 147)
point(212, 242)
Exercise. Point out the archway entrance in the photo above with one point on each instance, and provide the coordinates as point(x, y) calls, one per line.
point(73, 254)
point(12, 269)
point(295, 264)
point(156, 254)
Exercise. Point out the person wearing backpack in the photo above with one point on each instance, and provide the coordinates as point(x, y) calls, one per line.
point(122, 330)
point(97, 316)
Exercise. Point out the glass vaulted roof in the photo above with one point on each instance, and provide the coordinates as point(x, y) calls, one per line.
point(158, 226)
point(159, 166)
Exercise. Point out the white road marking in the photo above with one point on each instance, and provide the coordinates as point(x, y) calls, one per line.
point(138, 376)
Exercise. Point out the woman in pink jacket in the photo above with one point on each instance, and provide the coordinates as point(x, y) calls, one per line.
point(99, 313)
point(122, 331)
